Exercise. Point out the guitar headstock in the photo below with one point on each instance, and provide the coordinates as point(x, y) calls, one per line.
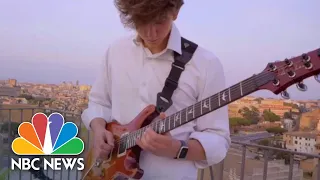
point(282, 74)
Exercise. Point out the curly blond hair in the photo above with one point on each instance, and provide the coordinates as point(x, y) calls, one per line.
point(136, 12)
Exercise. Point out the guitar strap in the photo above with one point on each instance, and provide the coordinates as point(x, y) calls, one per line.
point(164, 98)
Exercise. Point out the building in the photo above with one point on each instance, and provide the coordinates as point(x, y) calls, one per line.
point(12, 82)
point(2, 82)
point(275, 105)
point(288, 124)
point(301, 141)
point(85, 88)
point(309, 120)
point(10, 91)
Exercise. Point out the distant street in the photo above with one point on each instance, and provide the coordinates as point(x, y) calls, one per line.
point(251, 137)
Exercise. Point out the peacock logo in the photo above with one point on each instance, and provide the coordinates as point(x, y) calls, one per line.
point(47, 136)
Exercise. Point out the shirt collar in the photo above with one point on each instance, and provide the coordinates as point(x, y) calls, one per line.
point(174, 42)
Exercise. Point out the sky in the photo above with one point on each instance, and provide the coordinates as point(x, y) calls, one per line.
point(55, 41)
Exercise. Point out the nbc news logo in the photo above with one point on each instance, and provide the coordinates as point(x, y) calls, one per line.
point(47, 136)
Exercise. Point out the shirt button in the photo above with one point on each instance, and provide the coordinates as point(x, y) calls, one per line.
point(144, 84)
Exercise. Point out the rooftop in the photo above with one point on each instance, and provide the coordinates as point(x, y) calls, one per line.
point(303, 134)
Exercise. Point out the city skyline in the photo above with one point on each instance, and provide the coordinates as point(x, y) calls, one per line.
point(51, 42)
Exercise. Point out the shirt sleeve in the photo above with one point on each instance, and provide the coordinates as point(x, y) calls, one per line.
point(99, 105)
point(212, 129)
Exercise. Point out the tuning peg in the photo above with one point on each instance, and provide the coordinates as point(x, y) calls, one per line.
point(302, 87)
point(288, 62)
point(285, 95)
point(305, 57)
point(317, 78)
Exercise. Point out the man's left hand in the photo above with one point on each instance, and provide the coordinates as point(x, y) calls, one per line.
point(160, 145)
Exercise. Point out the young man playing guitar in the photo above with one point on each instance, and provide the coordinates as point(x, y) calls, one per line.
point(135, 71)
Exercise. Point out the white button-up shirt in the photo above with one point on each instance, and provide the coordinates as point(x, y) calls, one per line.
point(129, 80)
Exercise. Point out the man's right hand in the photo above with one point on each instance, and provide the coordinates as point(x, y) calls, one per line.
point(103, 140)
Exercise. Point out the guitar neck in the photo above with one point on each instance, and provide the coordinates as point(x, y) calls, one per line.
point(200, 108)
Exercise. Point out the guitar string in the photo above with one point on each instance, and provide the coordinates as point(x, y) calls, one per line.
point(195, 106)
point(262, 75)
point(152, 124)
point(245, 85)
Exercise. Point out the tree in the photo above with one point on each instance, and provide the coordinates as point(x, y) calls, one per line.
point(26, 96)
point(291, 105)
point(259, 100)
point(270, 116)
point(287, 115)
point(237, 121)
point(276, 130)
point(252, 114)
point(264, 142)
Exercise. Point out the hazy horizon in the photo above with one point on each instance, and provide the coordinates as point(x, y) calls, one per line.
point(56, 41)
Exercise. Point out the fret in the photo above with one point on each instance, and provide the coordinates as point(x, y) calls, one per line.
point(175, 119)
point(240, 84)
point(131, 141)
point(237, 92)
point(133, 135)
point(167, 123)
point(205, 106)
point(215, 102)
point(170, 122)
point(187, 119)
point(139, 133)
point(122, 146)
point(224, 96)
point(229, 95)
point(219, 99)
point(156, 126)
point(210, 103)
point(162, 127)
point(190, 113)
point(193, 111)
point(180, 117)
point(128, 142)
point(136, 135)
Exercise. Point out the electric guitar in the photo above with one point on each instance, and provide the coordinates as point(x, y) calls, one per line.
point(123, 161)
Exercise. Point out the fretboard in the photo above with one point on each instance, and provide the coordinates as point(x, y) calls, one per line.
point(200, 108)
